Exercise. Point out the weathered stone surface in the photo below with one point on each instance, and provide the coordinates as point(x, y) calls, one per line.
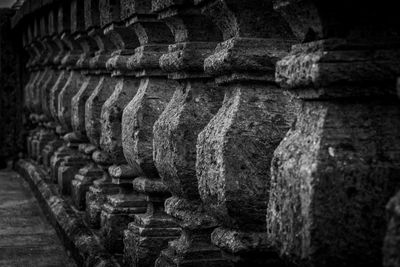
point(65, 96)
point(193, 247)
point(97, 193)
point(93, 106)
point(349, 163)
point(81, 183)
point(175, 135)
point(331, 60)
point(78, 102)
point(116, 214)
point(111, 117)
point(138, 119)
point(48, 151)
point(332, 156)
point(233, 152)
point(54, 92)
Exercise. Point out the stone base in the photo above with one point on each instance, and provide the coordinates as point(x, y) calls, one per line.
point(146, 236)
point(95, 198)
point(31, 139)
point(81, 183)
point(192, 249)
point(56, 160)
point(44, 137)
point(246, 248)
point(116, 214)
point(80, 241)
point(28, 145)
point(49, 150)
point(66, 173)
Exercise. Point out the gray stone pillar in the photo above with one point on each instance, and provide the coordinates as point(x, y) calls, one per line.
point(47, 131)
point(54, 78)
point(124, 40)
point(68, 65)
point(121, 209)
point(193, 104)
point(235, 149)
point(86, 46)
point(97, 71)
point(339, 164)
point(35, 35)
point(28, 88)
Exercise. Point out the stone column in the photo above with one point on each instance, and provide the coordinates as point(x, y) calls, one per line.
point(42, 52)
point(97, 73)
point(35, 103)
point(79, 38)
point(339, 164)
point(68, 64)
point(235, 149)
point(120, 209)
point(28, 89)
point(193, 104)
point(46, 133)
point(124, 41)
point(58, 77)
point(32, 73)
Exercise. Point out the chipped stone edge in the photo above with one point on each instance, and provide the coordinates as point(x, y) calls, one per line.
point(84, 246)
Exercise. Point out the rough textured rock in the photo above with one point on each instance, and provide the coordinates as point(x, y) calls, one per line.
point(138, 119)
point(339, 143)
point(193, 104)
point(111, 117)
point(78, 103)
point(235, 149)
point(237, 192)
point(93, 106)
point(335, 170)
point(175, 134)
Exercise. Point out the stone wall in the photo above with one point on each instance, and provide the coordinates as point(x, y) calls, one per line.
point(10, 91)
point(221, 132)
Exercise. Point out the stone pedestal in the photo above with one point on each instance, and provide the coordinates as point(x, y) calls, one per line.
point(235, 149)
point(45, 136)
point(85, 177)
point(48, 151)
point(120, 209)
point(152, 230)
point(99, 190)
point(193, 104)
point(70, 161)
point(193, 247)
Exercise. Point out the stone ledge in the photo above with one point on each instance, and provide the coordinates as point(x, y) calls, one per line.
point(84, 245)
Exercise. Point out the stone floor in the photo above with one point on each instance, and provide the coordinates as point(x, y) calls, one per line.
point(26, 238)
